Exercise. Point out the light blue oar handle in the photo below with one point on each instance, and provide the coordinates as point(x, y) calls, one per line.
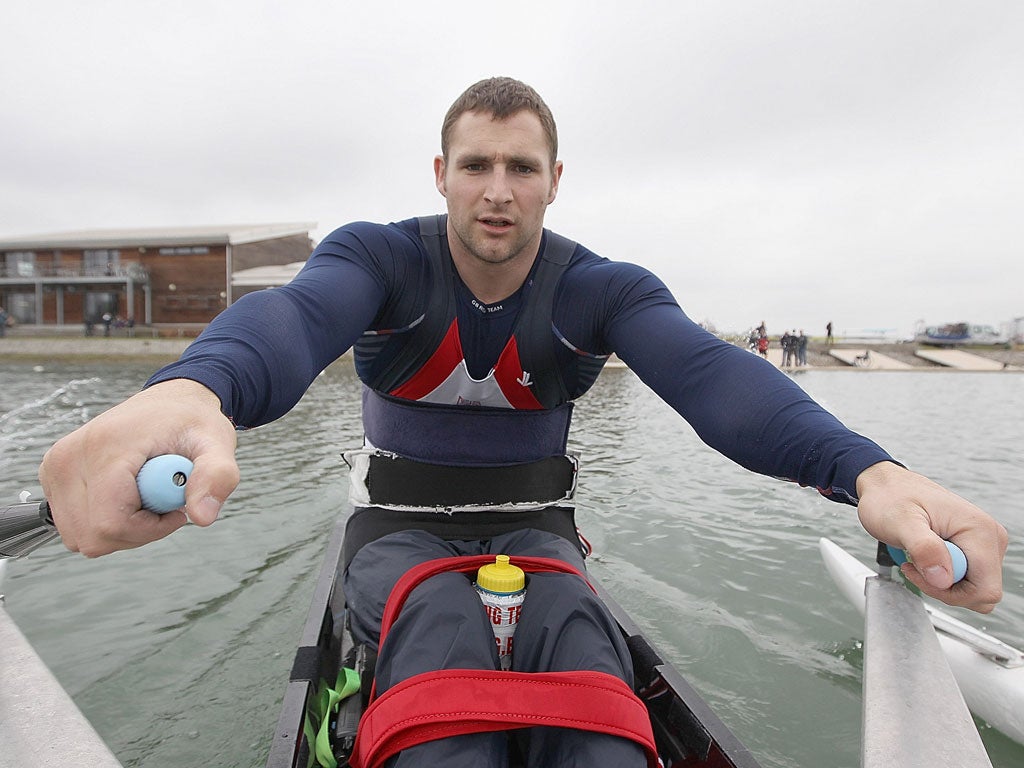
point(959, 559)
point(162, 482)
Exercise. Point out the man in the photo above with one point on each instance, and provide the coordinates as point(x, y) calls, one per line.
point(473, 334)
point(786, 342)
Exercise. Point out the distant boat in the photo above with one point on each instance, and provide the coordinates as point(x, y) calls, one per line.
point(959, 334)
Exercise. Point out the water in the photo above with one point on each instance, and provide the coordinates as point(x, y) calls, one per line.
point(178, 653)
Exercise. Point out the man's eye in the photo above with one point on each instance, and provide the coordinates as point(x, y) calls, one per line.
point(526, 170)
point(475, 167)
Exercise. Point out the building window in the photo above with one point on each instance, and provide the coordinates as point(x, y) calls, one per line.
point(99, 303)
point(100, 262)
point(184, 250)
point(21, 264)
point(22, 307)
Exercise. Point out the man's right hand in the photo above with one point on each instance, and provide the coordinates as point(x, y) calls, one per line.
point(88, 476)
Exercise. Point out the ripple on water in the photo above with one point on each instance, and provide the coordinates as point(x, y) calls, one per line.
point(178, 652)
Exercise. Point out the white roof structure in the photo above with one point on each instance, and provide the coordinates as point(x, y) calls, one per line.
point(222, 234)
point(266, 277)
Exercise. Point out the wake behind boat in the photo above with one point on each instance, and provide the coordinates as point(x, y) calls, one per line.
point(686, 731)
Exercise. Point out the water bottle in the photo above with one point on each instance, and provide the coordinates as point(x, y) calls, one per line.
point(502, 587)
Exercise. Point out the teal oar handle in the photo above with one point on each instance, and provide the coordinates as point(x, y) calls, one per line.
point(959, 559)
point(162, 482)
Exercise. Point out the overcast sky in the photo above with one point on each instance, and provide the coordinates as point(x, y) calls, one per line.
point(794, 161)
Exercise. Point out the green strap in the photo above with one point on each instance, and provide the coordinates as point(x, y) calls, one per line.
point(317, 724)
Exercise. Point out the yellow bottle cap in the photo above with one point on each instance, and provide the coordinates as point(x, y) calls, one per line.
point(501, 576)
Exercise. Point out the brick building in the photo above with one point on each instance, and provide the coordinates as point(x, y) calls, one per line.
point(168, 278)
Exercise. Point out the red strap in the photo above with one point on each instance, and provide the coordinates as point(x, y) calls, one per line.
point(433, 705)
point(420, 573)
point(436, 705)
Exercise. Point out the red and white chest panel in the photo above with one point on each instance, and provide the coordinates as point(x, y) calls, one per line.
point(444, 379)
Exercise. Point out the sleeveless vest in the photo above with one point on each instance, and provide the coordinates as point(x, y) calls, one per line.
point(425, 406)
point(431, 367)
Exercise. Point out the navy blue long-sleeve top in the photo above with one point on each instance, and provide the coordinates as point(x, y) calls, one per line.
point(260, 355)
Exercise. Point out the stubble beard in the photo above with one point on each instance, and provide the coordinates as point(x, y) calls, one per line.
point(491, 253)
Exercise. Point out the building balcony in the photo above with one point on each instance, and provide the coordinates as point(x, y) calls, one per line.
point(73, 274)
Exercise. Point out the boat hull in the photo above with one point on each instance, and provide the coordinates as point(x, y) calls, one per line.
point(960, 335)
point(687, 731)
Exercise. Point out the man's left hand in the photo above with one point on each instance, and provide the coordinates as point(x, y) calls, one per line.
point(907, 510)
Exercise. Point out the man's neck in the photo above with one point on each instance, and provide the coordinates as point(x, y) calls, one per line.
point(490, 283)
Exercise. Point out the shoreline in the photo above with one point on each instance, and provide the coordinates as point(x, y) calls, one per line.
point(904, 356)
point(31, 349)
point(901, 356)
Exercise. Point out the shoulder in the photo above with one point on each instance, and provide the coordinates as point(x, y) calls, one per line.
point(384, 250)
point(372, 237)
point(588, 272)
point(596, 295)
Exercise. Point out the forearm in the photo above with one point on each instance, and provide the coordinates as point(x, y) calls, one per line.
point(260, 355)
point(250, 359)
point(746, 409)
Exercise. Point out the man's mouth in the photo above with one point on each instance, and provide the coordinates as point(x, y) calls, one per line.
point(496, 223)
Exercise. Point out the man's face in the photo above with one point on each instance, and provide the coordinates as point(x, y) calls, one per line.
point(498, 182)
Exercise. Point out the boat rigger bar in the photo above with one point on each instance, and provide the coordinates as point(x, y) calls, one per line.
point(914, 713)
point(39, 723)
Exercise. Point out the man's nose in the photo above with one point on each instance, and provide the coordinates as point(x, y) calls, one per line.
point(499, 188)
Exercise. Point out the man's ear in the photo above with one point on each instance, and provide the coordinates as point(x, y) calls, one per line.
point(556, 175)
point(439, 170)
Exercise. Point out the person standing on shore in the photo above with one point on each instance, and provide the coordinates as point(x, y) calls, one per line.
point(801, 348)
point(786, 342)
point(828, 333)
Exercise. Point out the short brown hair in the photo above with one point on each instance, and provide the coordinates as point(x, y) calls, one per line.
point(501, 97)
